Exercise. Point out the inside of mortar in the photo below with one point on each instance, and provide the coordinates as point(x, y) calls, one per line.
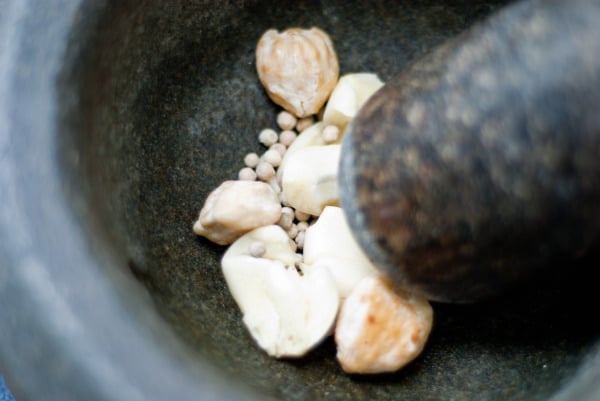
point(168, 103)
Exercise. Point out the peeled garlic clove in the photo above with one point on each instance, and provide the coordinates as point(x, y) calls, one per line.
point(309, 179)
point(379, 330)
point(350, 93)
point(330, 243)
point(306, 306)
point(235, 208)
point(311, 136)
point(286, 313)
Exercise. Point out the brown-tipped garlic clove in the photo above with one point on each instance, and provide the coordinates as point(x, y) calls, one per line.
point(379, 330)
point(298, 68)
point(235, 208)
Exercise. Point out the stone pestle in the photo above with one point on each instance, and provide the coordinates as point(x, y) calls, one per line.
point(478, 166)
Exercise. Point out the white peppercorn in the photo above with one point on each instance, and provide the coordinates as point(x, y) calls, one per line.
point(292, 232)
point(257, 249)
point(331, 133)
point(287, 218)
point(300, 239)
point(272, 157)
point(286, 120)
point(302, 226)
point(279, 148)
point(267, 136)
point(247, 174)
point(265, 171)
point(251, 160)
point(287, 137)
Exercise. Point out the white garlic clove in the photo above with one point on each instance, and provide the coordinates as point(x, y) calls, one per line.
point(379, 330)
point(235, 208)
point(350, 93)
point(306, 306)
point(245, 273)
point(286, 312)
point(330, 243)
point(309, 179)
point(309, 137)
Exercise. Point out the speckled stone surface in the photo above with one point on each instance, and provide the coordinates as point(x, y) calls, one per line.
point(478, 166)
point(171, 103)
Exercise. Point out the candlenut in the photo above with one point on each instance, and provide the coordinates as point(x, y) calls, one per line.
point(298, 68)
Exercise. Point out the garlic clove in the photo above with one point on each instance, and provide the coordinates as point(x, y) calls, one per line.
point(311, 136)
point(309, 180)
point(235, 208)
point(379, 330)
point(330, 243)
point(306, 305)
point(350, 93)
point(245, 276)
point(286, 312)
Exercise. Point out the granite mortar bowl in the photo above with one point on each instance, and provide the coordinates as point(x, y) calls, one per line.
point(118, 119)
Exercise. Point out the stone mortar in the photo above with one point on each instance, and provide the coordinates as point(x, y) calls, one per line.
point(118, 118)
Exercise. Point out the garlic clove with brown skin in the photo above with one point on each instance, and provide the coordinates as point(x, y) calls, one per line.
point(381, 330)
point(298, 68)
point(287, 312)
